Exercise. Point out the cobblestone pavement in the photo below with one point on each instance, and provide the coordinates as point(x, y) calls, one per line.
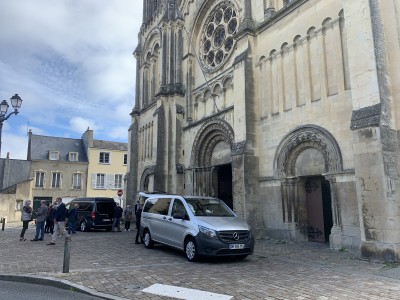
point(110, 262)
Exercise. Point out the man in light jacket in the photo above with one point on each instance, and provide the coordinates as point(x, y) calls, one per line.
point(41, 215)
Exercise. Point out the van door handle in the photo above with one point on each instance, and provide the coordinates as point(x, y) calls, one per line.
point(164, 218)
point(170, 219)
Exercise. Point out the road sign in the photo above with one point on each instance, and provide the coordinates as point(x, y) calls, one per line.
point(120, 192)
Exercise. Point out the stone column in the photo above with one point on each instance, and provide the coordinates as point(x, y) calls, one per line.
point(336, 236)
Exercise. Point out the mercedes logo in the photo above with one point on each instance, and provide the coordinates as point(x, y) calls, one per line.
point(235, 236)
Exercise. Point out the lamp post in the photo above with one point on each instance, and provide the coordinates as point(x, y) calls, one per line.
point(16, 103)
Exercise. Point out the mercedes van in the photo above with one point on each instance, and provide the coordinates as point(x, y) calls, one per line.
point(94, 212)
point(199, 226)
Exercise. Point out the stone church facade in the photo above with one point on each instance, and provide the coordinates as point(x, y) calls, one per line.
point(288, 110)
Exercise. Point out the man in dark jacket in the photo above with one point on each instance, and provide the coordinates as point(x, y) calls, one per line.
point(72, 215)
point(117, 217)
point(138, 217)
point(59, 220)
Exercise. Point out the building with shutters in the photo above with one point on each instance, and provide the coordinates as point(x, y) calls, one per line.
point(288, 110)
point(107, 166)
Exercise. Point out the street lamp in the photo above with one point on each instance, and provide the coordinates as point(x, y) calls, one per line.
point(16, 103)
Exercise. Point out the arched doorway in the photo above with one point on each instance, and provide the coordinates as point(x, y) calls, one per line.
point(211, 161)
point(306, 161)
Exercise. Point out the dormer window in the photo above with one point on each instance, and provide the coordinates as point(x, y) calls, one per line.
point(73, 156)
point(54, 155)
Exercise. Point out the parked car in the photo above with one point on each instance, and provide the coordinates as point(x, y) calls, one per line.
point(199, 226)
point(94, 212)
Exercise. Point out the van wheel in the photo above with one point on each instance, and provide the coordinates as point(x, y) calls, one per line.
point(84, 226)
point(109, 228)
point(191, 250)
point(148, 242)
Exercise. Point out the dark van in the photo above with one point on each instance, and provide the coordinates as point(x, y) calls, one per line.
point(94, 212)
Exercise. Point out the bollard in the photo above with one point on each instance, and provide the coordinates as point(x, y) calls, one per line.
point(67, 252)
point(3, 222)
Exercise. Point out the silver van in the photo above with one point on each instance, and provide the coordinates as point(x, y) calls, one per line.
point(200, 226)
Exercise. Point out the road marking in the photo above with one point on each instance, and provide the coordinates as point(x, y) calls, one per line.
point(183, 293)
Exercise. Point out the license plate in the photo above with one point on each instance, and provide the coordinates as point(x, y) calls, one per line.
point(106, 220)
point(236, 246)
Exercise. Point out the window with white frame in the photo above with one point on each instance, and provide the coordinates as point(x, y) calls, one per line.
point(118, 181)
point(125, 159)
point(55, 179)
point(18, 204)
point(104, 158)
point(39, 179)
point(77, 181)
point(73, 156)
point(54, 155)
point(99, 181)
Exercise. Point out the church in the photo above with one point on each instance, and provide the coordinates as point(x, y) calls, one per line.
point(288, 110)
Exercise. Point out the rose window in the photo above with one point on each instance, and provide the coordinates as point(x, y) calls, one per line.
point(217, 40)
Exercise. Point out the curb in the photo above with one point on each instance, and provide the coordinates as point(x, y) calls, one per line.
point(58, 283)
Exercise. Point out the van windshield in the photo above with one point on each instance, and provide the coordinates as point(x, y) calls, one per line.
point(209, 207)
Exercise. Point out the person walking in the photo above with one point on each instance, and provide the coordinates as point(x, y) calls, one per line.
point(72, 216)
point(26, 217)
point(117, 217)
point(48, 228)
point(41, 215)
point(138, 217)
point(59, 219)
point(128, 214)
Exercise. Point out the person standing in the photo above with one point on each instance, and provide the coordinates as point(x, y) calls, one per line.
point(117, 217)
point(49, 220)
point(137, 206)
point(41, 215)
point(138, 216)
point(26, 217)
point(73, 214)
point(128, 214)
point(59, 219)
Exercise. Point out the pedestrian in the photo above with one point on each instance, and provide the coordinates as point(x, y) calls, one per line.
point(137, 206)
point(128, 214)
point(41, 215)
point(49, 220)
point(72, 216)
point(26, 217)
point(117, 217)
point(138, 216)
point(59, 219)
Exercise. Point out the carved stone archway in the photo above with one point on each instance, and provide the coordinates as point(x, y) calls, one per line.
point(145, 177)
point(209, 135)
point(302, 138)
point(292, 184)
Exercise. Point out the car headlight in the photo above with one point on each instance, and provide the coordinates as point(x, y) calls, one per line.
point(208, 232)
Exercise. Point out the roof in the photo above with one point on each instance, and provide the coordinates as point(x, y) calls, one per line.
point(110, 145)
point(41, 145)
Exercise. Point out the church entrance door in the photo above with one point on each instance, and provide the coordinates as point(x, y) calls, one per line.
point(224, 177)
point(319, 211)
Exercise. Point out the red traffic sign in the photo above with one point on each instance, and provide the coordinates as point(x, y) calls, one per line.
point(120, 192)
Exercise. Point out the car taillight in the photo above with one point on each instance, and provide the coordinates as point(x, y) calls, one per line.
point(93, 215)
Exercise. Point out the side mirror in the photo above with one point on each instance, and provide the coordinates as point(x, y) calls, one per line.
point(178, 216)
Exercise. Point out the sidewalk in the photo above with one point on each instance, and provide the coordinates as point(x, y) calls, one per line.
point(111, 264)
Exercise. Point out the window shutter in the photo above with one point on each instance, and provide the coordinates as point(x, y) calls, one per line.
point(110, 181)
point(94, 180)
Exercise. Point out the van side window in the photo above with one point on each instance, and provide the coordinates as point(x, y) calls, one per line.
point(179, 208)
point(158, 206)
point(85, 206)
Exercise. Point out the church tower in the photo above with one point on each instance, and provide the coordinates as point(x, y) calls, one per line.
point(158, 112)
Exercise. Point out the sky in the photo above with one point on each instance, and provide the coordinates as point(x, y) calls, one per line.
point(71, 63)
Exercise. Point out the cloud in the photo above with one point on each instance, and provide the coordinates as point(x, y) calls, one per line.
point(71, 62)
